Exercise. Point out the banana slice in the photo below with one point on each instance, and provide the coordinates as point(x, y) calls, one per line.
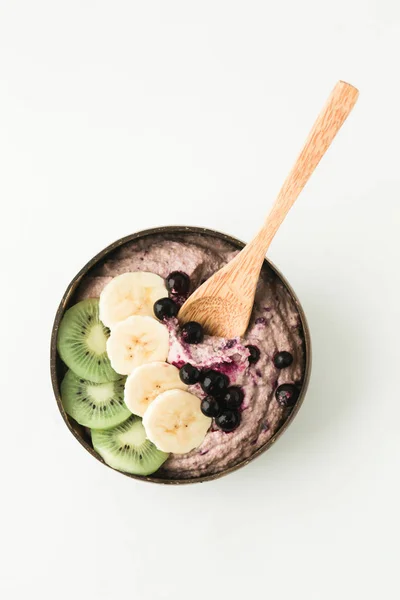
point(130, 294)
point(147, 382)
point(175, 423)
point(136, 341)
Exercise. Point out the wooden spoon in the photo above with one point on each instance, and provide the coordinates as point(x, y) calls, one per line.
point(223, 304)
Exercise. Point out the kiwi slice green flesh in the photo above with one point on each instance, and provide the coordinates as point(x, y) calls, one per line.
point(98, 405)
point(127, 449)
point(81, 342)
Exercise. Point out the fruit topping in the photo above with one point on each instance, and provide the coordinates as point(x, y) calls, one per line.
point(81, 342)
point(287, 394)
point(192, 333)
point(254, 354)
point(130, 294)
point(233, 397)
point(126, 448)
point(165, 308)
point(178, 283)
point(228, 420)
point(210, 406)
point(189, 374)
point(98, 405)
point(283, 359)
point(175, 423)
point(214, 383)
point(147, 382)
point(136, 341)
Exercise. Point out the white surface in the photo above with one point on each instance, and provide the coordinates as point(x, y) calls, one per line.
point(117, 116)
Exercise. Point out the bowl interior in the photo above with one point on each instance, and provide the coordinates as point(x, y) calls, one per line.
point(58, 369)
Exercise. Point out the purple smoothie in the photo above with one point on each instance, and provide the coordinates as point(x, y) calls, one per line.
point(274, 326)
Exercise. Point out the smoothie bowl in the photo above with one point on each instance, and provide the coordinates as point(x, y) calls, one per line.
point(167, 403)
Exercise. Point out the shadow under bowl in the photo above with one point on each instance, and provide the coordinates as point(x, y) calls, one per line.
point(58, 369)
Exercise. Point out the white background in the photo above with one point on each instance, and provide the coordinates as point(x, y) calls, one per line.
point(121, 115)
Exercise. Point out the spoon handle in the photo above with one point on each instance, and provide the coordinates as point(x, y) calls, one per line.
point(339, 105)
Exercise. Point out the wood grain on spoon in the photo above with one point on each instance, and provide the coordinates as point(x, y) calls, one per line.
point(223, 304)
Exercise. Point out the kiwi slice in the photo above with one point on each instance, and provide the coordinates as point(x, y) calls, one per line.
point(98, 405)
point(127, 449)
point(81, 342)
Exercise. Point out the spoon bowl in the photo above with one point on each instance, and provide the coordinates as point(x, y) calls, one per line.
point(58, 369)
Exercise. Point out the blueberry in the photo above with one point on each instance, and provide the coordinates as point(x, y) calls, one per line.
point(283, 359)
point(178, 283)
point(254, 354)
point(165, 308)
point(233, 397)
point(192, 333)
point(286, 395)
point(228, 420)
point(214, 383)
point(189, 374)
point(210, 407)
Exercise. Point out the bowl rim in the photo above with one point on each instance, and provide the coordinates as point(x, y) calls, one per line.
point(64, 305)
